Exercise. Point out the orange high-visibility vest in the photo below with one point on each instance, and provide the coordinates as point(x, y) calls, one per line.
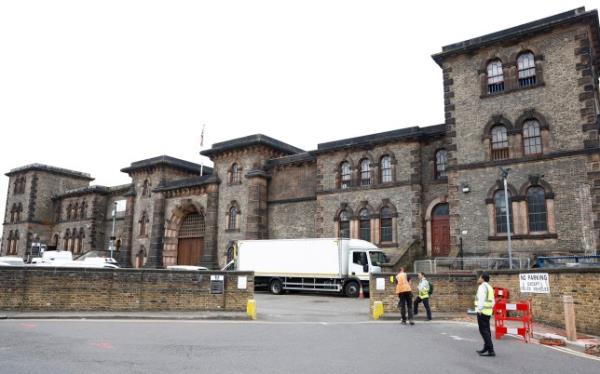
point(403, 285)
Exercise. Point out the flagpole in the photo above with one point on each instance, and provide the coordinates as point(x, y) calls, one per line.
point(201, 147)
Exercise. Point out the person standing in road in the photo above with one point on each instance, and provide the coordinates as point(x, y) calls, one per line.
point(424, 292)
point(484, 304)
point(404, 293)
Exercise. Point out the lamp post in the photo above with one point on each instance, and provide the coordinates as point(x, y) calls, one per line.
point(111, 246)
point(504, 174)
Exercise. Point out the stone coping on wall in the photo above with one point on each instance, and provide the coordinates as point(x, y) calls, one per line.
point(576, 270)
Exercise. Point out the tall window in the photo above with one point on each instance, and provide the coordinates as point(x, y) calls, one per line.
point(526, 66)
point(235, 174)
point(364, 225)
point(386, 169)
point(75, 210)
point(499, 143)
point(365, 172)
point(14, 242)
point(82, 209)
point(344, 224)
point(441, 164)
point(69, 208)
point(19, 186)
point(385, 224)
point(500, 205)
point(495, 77)
point(10, 242)
point(345, 174)
point(233, 212)
point(67, 239)
point(146, 188)
point(13, 213)
point(536, 209)
point(80, 238)
point(532, 138)
point(19, 211)
point(143, 222)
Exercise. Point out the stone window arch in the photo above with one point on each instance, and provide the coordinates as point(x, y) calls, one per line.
point(364, 225)
point(537, 207)
point(365, 172)
point(495, 76)
point(386, 169)
point(233, 216)
point(345, 170)
point(526, 73)
point(385, 223)
point(533, 128)
point(441, 164)
point(143, 222)
point(344, 224)
point(499, 143)
point(497, 211)
point(235, 173)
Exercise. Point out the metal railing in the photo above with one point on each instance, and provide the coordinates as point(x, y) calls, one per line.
point(461, 264)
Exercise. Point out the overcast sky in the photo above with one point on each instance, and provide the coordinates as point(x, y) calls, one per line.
point(95, 85)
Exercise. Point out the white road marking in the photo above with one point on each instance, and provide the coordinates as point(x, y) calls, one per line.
point(572, 352)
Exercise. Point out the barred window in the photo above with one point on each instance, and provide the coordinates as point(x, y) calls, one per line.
point(146, 188)
point(233, 212)
point(441, 163)
point(364, 225)
point(495, 77)
point(192, 226)
point(499, 143)
point(345, 175)
point(500, 206)
point(365, 172)
point(532, 138)
point(82, 209)
point(75, 210)
point(69, 208)
point(526, 66)
point(386, 169)
point(344, 224)
point(235, 174)
point(536, 209)
point(385, 224)
point(143, 222)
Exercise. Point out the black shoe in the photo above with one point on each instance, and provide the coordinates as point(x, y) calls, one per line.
point(412, 323)
point(404, 322)
point(488, 354)
point(482, 351)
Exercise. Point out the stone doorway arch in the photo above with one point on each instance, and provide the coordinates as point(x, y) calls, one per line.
point(437, 226)
point(184, 235)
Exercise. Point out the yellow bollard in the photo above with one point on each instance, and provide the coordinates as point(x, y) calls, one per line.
point(251, 309)
point(377, 310)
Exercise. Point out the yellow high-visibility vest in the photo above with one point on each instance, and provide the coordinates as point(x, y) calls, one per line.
point(488, 304)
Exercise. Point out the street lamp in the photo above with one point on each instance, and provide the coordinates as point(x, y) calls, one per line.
point(504, 175)
point(111, 246)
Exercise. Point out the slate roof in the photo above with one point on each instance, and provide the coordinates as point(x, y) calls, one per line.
point(165, 160)
point(49, 169)
point(526, 29)
point(247, 141)
point(101, 190)
point(291, 159)
point(188, 182)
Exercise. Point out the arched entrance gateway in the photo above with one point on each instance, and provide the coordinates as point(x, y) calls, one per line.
point(440, 230)
point(190, 244)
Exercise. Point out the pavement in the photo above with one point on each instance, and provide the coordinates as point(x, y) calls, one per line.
point(294, 334)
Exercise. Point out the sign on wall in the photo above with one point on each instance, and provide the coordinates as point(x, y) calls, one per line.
point(534, 283)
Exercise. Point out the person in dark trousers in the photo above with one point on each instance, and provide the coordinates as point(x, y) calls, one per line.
point(423, 297)
point(404, 293)
point(484, 305)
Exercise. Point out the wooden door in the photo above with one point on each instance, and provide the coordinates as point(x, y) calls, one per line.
point(440, 231)
point(189, 251)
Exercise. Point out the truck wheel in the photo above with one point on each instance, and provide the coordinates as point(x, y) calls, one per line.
point(276, 287)
point(352, 289)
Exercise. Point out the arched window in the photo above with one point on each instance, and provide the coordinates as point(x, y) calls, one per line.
point(532, 138)
point(441, 163)
point(235, 174)
point(79, 245)
point(67, 239)
point(386, 169)
point(146, 188)
point(365, 172)
point(73, 240)
point(385, 224)
point(500, 206)
point(344, 224)
point(526, 66)
point(143, 222)
point(69, 208)
point(364, 225)
point(536, 209)
point(499, 143)
point(9, 242)
point(233, 212)
point(13, 213)
point(82, 209)
point(75, 210)
point(345, 175)
point(15, 242)
point(495, 76)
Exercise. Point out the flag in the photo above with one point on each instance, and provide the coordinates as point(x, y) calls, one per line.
point(202, 137)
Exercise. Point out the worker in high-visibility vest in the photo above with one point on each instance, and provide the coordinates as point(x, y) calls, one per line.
point(404, 292)
point(423, 297)
point(484, 304)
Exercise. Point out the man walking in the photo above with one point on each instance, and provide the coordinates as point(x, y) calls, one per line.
point(405, 296)
point(424, 291)
point(484, 304)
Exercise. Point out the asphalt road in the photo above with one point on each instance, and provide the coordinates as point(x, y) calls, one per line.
point(296, 334)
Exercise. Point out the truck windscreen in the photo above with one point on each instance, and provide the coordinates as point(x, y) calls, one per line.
point(377, 258)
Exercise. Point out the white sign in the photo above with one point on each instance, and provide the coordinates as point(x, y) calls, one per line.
point(534, 283)
point(380, 284)
point(217, 278)
point(242, 282)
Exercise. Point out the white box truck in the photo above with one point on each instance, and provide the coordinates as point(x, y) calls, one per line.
point(330, 265)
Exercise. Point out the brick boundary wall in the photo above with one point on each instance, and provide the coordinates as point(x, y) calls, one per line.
point(456, 292)
point(79, 289)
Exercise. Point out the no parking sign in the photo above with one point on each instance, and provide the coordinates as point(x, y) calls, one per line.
point(534, 283)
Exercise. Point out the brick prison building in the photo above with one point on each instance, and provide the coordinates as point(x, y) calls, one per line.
point(524, 98)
